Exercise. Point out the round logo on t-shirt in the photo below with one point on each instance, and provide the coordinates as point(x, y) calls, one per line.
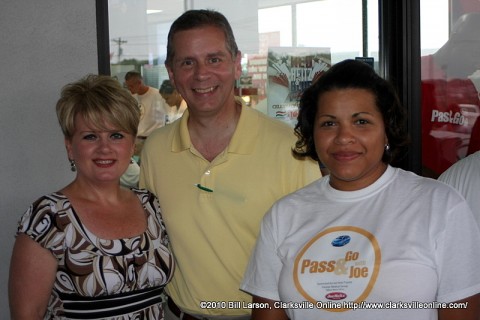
point(338, 266)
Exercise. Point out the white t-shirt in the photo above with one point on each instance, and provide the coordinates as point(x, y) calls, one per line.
point(153, 111)
point(403, 239)
point(464, 176)
point(173, 113)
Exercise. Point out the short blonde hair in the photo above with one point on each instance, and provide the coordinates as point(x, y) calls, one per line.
point(101, 101)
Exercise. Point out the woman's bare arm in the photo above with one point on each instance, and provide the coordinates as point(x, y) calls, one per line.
point(471, 312)
point(271, 313)
point(32, 274)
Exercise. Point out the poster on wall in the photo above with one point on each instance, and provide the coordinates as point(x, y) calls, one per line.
point(290, 71)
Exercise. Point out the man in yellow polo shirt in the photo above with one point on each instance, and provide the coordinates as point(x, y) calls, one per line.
point(216, 171)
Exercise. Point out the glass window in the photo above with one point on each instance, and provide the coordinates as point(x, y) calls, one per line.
point(340, 27)
point(450, 69)
point(278, 31)
point(138, 37)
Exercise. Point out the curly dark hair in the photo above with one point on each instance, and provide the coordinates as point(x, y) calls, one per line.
point(354, 74)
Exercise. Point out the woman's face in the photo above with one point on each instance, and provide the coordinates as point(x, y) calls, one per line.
point(350, 138)
point(100, 155)
point(170, 98)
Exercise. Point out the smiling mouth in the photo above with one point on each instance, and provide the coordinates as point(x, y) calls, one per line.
point(206, 90)
point(104, 162)
point(345, 156)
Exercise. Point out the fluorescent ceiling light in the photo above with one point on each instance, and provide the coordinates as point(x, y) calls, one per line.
point(153, 11)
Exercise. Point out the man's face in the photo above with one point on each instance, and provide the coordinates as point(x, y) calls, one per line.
point(133, 85)
point(203, 70)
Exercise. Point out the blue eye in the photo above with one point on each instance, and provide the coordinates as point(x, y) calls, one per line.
point(90, 136)
point(117, 135)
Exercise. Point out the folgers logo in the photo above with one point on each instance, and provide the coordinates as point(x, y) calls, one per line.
point(336, 263)
point(336, 296)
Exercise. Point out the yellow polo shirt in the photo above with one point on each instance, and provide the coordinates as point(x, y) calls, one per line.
point(213, 227)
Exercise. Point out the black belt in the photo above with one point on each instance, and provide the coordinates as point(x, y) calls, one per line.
point(177, 312)
point(79, 307)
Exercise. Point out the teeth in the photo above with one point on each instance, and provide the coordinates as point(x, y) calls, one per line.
point(204, 90)
point(104, 161)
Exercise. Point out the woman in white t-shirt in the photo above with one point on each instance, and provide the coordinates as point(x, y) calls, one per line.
point(369, 241)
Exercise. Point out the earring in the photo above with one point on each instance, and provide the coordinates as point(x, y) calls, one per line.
point(387, 147)
point(73, 167)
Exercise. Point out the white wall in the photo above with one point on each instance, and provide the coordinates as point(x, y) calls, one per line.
point(44, 44)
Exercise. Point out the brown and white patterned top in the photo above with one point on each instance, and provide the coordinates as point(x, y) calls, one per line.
point(98, 278)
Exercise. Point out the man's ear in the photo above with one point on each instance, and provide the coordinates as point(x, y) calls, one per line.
point(238, 65)
point(170, 75)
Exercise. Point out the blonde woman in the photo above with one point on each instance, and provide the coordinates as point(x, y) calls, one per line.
point(93, 249)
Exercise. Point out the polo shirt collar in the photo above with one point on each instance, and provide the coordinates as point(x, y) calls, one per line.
point(181, 138)
point(245, 136)
point(243, 140)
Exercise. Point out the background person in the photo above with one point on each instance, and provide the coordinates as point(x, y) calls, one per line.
point(464, 176)
point(446, 86)
point(216, 171)
point(131, 176)
point(174, 101)
point(474, 144)
point(152, 106)
point(93, 249)
point(367, 231)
